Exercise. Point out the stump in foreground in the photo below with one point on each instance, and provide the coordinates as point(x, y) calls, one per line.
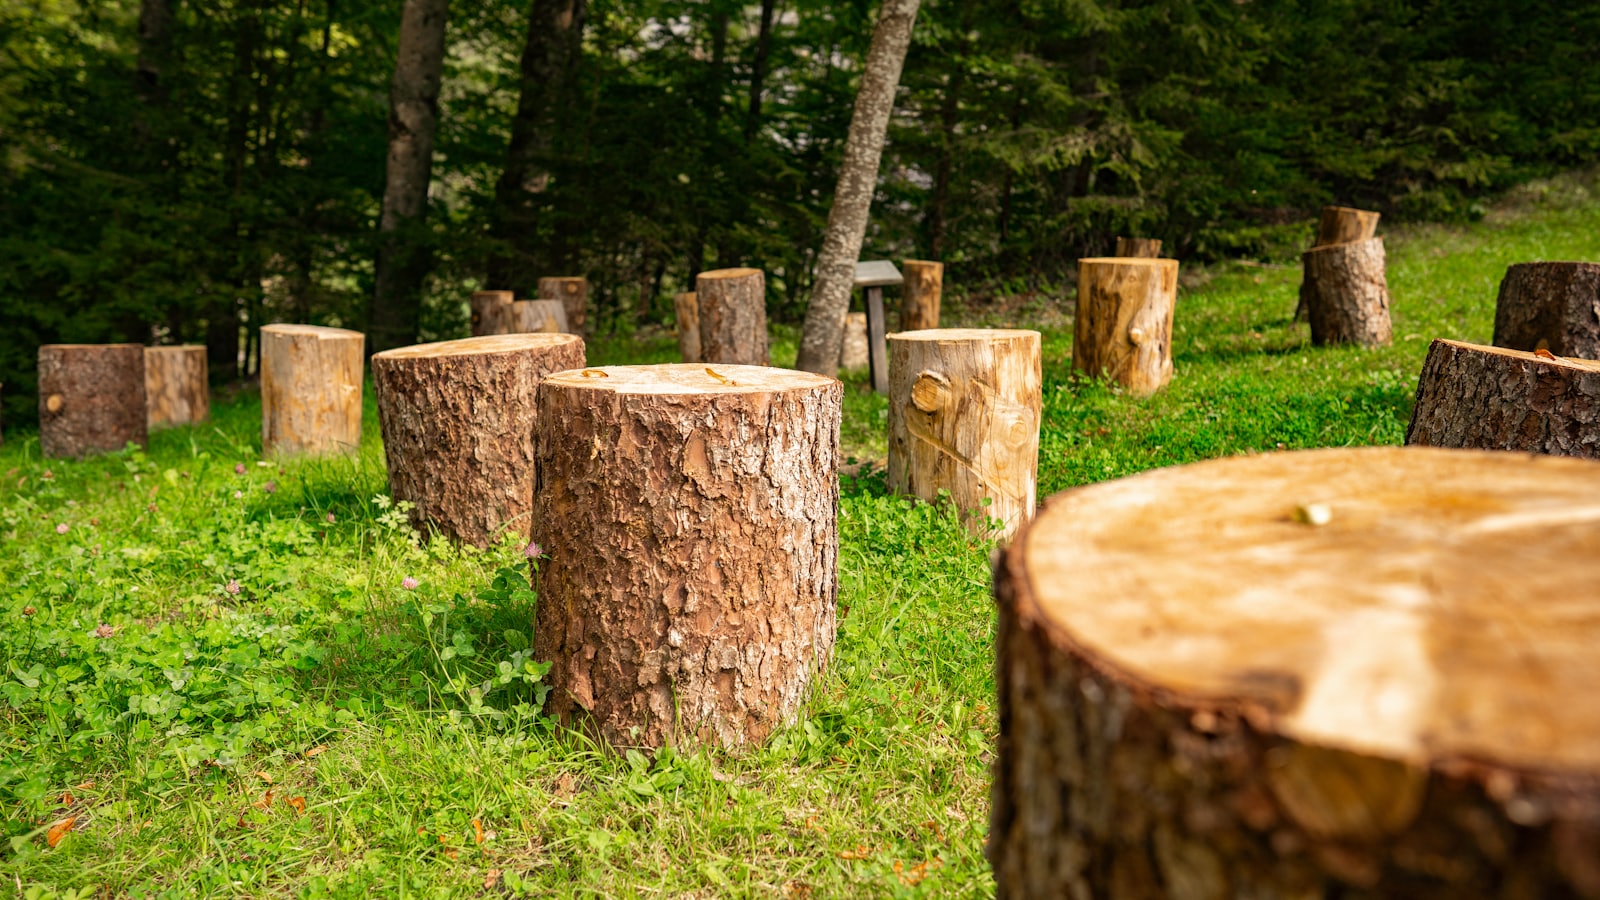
point(1139, 248)
point(1124, 321)
point(854, 350)
point(491, 312)
point(458, 426)
point(91, 399)
point(733, 316)
point(538, 317)
point(1205, 693)
point(920, 294)
point(1490, 398)
point(686, 311)
point(310, 389)
point(1552, 306)
point(688, 518)
point(177, 385)
point(573, 294)
point(964, 409)
point(1346, 293)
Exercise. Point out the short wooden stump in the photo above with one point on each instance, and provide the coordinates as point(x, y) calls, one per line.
point(1353, 672)
point(91, 399)
point(1552, 306)
point(1490, 398)
point(1123, 324)
point(177, 385)
point(310, 390)
point(688, 520)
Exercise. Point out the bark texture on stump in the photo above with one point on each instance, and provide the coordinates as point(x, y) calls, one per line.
point(1204, 694)
point(91, 399)
point(1490, 398)
point(1344, 225)
point(574, 296)
point(458, 428)
point(177, 385)
point(1124, 321)
point(1551, 306)
point(688, 518)
point(491, 312)
point(733, 316)
point(964, 408)
point(310, 389)
point(686, 310)
point(1346, 293)
point(1138, 248)
point(539, 317)
point(855, 352)
point(920, 294)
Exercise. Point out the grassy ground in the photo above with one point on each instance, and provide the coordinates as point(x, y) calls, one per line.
point(215, 672)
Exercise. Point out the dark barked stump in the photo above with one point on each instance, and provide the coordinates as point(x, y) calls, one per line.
point(1355, 673)
point(1552, 306)
point(91, 399)
point(732, 306)
point(1490, 398)
point(1345, 290)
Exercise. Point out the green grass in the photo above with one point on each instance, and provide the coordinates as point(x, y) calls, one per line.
point(395, 727)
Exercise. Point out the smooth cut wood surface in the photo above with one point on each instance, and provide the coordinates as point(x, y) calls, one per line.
point(1552, 306)
point(538, 317)
point(920, 295)
point(177, 385)
point(1139, 248)
point(733, 316)
point(91, 399)
point(1345, 289)
point(491, 312)
point(1343, 224)
point(310, 389)
point(853, 353)
point(1491, 398)
point(573, 292)
point(686, 311)
point(1124, 321)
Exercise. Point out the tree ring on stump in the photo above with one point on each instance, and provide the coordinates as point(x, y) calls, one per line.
point(931, 392)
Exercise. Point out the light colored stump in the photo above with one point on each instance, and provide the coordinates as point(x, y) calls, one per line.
point(1552, 306)
point(1344, 225)
point(91, 399)
point(1138, 248)
point(687, 313)
point(964, 408)
point(733, 316)
point(574, 296)
point(491, 312)
point(1124, 321)
point(920, 294)
point(1489, 398)
point(1204, 693)
point(538, 317)
point(458, 426)
point(1347, 294)
point(310, 390)
point(854, 350)
point(688, 518)
point(177, 385)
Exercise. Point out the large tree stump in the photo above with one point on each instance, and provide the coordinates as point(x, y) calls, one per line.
point(1338, 225)
point(964, 409)
point(1346, 293)
point(310, 389)
point(1138, 248)
point(1124, 321)
point(538, 317)
point(686, 310)
point(920, 294)
point(1489, 398)
point(91, 399)
point(491, 312)
point(177, 385)
point(688, 517)
point(733, 316)
point(855, 349)
point(1551, 306)
point(458, 426)
point(1206, 693)
point(573, 293)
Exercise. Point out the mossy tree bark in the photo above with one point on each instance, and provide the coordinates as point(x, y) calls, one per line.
point(91, 399)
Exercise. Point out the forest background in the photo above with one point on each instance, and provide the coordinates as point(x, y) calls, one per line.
point(183, 170)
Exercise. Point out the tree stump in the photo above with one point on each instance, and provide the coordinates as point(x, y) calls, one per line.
point(491, 312)
point(687, 312)
point(538, 317)
point(91, 399)
point(310, 390)
point(1552, 306)
point(458, 426)
point(920, 294)
point(854, 350)
point(574, 296)
point(1124, 321)
point(1490, 398)
point(688, 518)
point(177, 385)
point(1344, 225)
point(1346, 293)
point(1138, 248)
point(1205, 693)
point(733, 316)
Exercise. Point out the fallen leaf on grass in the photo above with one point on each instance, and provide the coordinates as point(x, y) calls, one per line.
point(566, 785)
point(264, 776)
point(797, 890)
point(299, 804)
point(933, 825)
point(315, 752)
point(912, 876)
point(265, 801)
point(477, 831)
point(492, 879)
point(862, 851)
point(87, 785)
point(59, 830)
point(67, 798)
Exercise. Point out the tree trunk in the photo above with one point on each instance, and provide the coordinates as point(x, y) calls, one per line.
point(1552, 306)
point(758, 70)
point(458, 425)
point(686, 309)
point(1339, 225)
point(1346, 293)
point(404, 257)
point(688, 518)
point(1124, 321)
point(491, 312)
point(732, 304)
point(574, 296)
point(310, 390)
point(1205, 693)
point(855, 352)
point(920, 294)
point(91, 399)
point(1489, 398)
point(1138, 248)
point(949, 118)
point(852, 199)
point(539, 317)
point(177, 385)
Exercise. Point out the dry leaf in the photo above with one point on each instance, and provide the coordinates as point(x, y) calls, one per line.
point(315, 752)
point(477, 830)
point(264, 776)
point(566, 785)
point(265, 801)
point(299, 804)
point(87, 785)
point(1542, 353)
point(59, 830)
point(492, 879)
point(860, 852)
point(797, 890)
point(66, 798)
point(934, 827)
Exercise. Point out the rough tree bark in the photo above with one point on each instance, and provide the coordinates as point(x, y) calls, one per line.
point(1338, 225)
point(855, 351)
point(310, 390)
point(573, 293)
point(91, 399)
point(852, 199)
point(538, 317)
point(1552, 306)
point(1490, 398)
point(686, 309)
point(1124, 321)
point(688, 518)
point(177, 385)
point(491, 312)
point(1139, 248)
point(458, 428)
point(920, 294)
point(732, 306)
point(1346, 293)
point(1204, 693)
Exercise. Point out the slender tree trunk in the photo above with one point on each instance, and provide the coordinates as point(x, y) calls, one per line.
point(155, 49)
point(937, 207)
point(222, 326)
point(852, 200)
point(758, 70)
point(403, 256)
point(711, 111)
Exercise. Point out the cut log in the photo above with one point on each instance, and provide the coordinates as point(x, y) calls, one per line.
point(1343, 225)
point(458, 426)
point(574, 296)
point(538, 317)
point(1206, 693)
point(1551, 306)
point(853, 351)
point(491, 312)
point(1346, 294)
point(1124, 321)
point(688, 517)
point(310, 390)
point(1138, 248)
point(733, 316)
point(920, 294)
point(687, 311)
point(177, 385)
point(1490, 398)
point(964, 409)
point(91, 399)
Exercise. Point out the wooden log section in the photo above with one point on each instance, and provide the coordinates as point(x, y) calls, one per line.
point(310, 390)
point(573, 293)
point(491, 312)
point(687, 312)
point(1206, 693)
point(177, 385)
point(733, 316)
point(458, 426)
point(964, 409)
point(1552, 306)
point(1346, 294)
point(688, 518)
point(1138, 248)
point(91, 399)
point(854, 352)
point(920, 294)
point(1490, 398)
point(1124, 321)
point(538, 317)
point(1338, 225)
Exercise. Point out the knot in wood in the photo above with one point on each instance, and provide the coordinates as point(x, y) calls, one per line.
point(53, 403)
point(1136, 335)
point(931, 392)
